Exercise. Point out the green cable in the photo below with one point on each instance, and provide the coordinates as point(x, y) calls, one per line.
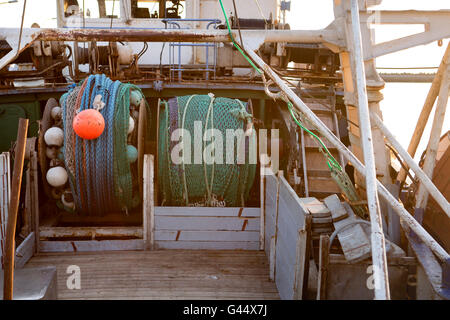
point(234, 43)
point(331, 160)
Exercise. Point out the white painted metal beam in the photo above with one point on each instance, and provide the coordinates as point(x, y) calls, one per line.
point(379, 260)
point(436, 27)
point(404, 215)
point(427, 183)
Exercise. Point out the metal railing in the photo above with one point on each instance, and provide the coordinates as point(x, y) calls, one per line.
point(175, 63)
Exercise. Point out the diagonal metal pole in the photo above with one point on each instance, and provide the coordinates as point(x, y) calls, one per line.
point(426, 111)
point(300, 106)
point(433, 143)
point(379, 260)
point(424, 179)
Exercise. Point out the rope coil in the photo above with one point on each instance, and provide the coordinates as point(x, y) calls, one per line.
point(100, 175)
point(224, 184)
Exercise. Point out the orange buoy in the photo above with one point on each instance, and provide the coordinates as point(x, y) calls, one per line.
point(88, 124)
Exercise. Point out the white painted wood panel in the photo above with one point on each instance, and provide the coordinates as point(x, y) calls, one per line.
point(91, 245)
point(207, 211)
point(167, 235)
point(206, 223)
point(209, 245)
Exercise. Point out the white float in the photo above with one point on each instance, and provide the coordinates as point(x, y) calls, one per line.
point(54, 137)
point(56, 113)
point(131, 125)
point(57, 177)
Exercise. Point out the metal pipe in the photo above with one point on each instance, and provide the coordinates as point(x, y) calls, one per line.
point(305, 169)
point(424, 179)
point(325, 131)
point(185, 35)
point(379, 260)
point(8, 282)
point(426, 110)
point(408, 77)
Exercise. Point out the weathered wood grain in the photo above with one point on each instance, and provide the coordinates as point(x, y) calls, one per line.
point(91, 245)
point(186, 235)
point(206, 223)
point(207, 212)
point(209, 245)
point(164, 274)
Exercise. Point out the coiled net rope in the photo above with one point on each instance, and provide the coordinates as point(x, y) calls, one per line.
point(219, 183)
point(99, 172)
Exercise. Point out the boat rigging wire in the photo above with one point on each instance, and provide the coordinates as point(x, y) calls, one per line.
point(21, 28)
point(340, 176)
point(237, 21)
point(112, 14)
point(234, 42)
point(261, 12)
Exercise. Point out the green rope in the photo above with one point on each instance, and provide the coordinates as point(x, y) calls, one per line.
point(331, 161)
point(235, 44)
point(123, 186)
point(340, 176)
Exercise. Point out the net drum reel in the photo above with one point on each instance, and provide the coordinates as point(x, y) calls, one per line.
point(99, 175)
point(214, 181)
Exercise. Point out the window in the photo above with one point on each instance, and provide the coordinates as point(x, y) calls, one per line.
point(144, 9)
point(152, 9)
point(92, 8)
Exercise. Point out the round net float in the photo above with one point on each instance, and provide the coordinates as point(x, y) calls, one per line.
point(56, 113)
point(132, 153)
point(131, 125)
point(54, 137)
point(45, 123)
point(135, 98)
point(57, 177)
point(89, 124)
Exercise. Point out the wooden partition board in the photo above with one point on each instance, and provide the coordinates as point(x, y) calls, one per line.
point(291, 219)
point(207, 228)
point(285, 219)
point(271, 203)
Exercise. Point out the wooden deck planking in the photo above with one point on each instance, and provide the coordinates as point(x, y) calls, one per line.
point(164, 274)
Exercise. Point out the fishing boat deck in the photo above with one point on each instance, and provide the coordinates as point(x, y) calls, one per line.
point(163, 274)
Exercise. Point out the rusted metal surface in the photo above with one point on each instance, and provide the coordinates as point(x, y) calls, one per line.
point(189, 35)
point(131, 35)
